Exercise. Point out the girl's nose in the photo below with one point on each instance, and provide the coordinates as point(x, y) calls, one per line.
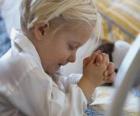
point(72, 57)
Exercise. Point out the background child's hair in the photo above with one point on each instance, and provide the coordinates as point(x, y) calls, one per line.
point(107, 48)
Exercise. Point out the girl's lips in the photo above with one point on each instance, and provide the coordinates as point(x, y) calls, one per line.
point(60, 65)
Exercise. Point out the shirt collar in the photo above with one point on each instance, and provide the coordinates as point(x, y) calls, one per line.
point(17, 37)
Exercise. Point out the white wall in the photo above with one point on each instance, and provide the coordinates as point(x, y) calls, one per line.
point(10, 13)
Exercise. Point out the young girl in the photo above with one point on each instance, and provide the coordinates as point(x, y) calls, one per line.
point(52, 31)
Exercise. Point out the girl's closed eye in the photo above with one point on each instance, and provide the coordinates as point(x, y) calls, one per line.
point(72, 47)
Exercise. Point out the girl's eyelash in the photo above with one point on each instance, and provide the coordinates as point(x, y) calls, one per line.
point(72, 47)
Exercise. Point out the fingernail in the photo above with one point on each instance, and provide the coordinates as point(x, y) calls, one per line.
point(106, 73)
point(97, 63)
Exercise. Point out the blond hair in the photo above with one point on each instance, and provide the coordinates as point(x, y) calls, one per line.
point(36, 11)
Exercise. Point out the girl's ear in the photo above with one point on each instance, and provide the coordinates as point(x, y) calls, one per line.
point(39, 31)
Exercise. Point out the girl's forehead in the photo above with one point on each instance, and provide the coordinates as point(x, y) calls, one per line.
point(76, 36)
point(60, 22)
point(78, 31)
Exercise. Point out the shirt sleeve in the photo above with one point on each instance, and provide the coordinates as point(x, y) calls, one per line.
point(37, 95)
point(7, 109)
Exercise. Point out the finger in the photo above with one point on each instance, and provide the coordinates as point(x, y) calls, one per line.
point(86, 61)
point(99, 59)
point(105, 58)
point(110, 69)
point(98, 51)
point(110, 78)
point(94, 57)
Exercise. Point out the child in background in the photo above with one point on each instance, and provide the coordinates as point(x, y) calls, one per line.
point(52, 31)
point(116, 52)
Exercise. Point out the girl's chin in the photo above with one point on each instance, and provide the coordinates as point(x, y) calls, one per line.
point(54, 72)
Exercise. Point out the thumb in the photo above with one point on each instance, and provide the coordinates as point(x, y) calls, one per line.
point(86, 61)
point(94, 57)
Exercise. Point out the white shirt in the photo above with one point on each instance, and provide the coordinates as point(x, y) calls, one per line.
point(25, 89)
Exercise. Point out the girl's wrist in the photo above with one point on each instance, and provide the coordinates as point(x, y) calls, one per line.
point(87, 87)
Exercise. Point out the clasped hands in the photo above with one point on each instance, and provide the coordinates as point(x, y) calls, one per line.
point(98, 69)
